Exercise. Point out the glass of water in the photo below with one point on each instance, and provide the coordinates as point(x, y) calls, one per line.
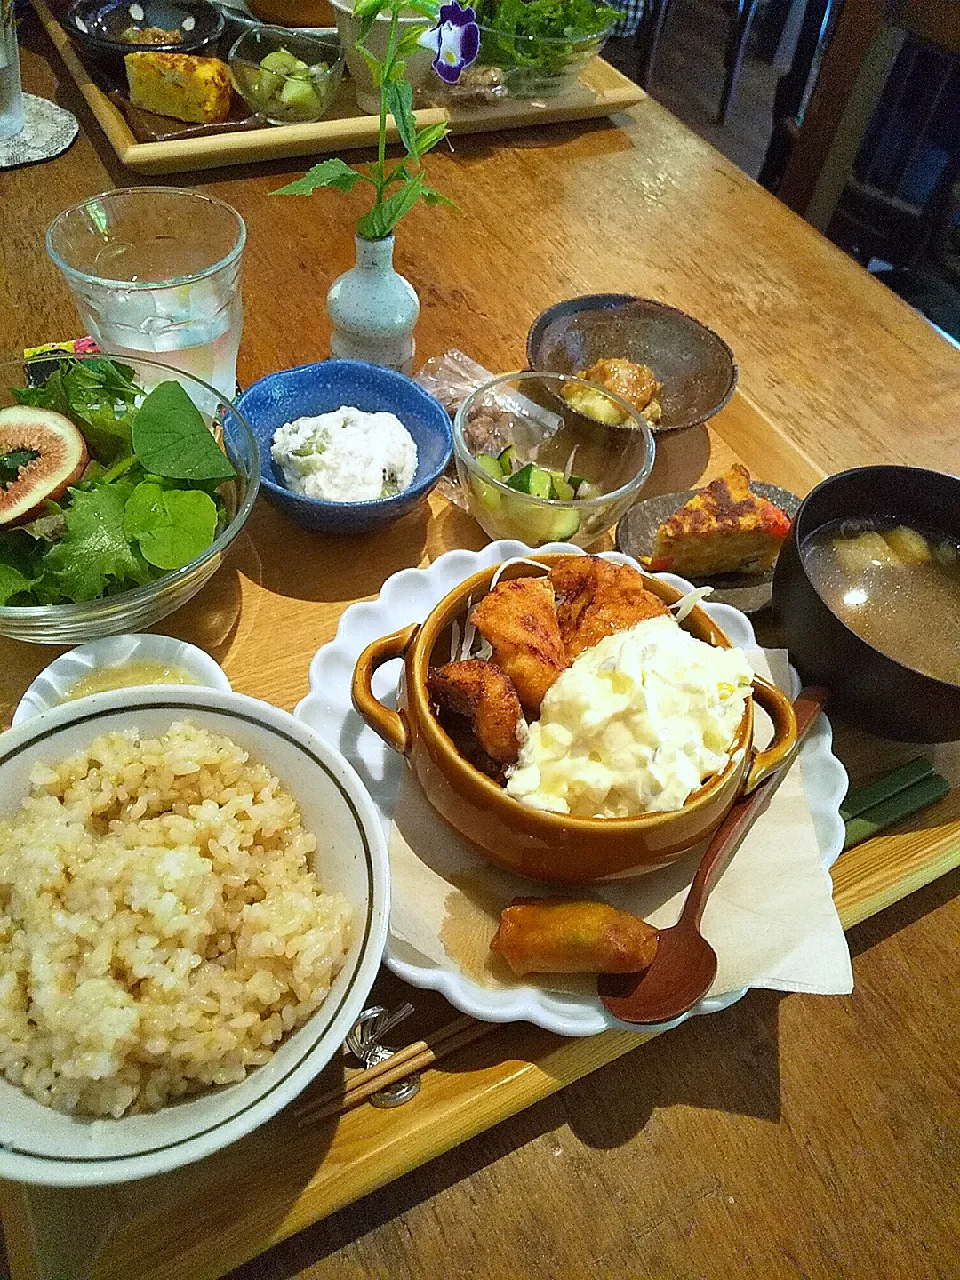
point(155, 272)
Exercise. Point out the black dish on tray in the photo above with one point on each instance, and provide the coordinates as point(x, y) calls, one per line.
point(873, 691)
point(748, 592)
point(694, 364)
point(95, 26)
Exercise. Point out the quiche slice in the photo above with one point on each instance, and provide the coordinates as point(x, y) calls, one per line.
point(723, 528)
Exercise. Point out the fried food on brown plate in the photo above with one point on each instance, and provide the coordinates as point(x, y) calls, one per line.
point(479, 708)
point(598, 598)
point(561, 935)
point(518, 619)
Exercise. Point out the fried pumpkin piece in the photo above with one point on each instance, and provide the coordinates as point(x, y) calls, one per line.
point(562, 935)
point(597, 598)
point(518, 619)
point(477, 701)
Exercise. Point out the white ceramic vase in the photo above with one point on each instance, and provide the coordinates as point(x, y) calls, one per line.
point(373, 310)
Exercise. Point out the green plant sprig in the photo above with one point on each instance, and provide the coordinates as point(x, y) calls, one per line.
point(399, 188)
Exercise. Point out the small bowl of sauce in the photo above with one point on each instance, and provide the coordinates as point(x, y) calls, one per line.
point(119, 662)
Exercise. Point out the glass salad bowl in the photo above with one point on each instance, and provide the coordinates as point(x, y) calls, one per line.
point(537, 66)
point(533, 467)
point(286, 77)
point(109, 553)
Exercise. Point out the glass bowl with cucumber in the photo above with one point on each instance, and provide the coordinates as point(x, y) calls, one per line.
point(286, 77)
point(531, 467)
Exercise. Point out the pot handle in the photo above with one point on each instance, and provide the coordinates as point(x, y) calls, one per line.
point(391, 726)
point(780, 710)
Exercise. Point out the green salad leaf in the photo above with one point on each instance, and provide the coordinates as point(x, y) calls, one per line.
point(18, 573)
point(99, 396)
point(94, 553)
point(172, 526)
point(171, 438)
point(542, 34)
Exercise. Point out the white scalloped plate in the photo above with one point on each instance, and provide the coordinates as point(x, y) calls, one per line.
point(408, 596)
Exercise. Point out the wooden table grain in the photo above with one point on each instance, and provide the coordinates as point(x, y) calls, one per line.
point(791, 1136)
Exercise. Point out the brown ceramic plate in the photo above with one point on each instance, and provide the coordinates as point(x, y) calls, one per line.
point(694, 364)
point(748, 592)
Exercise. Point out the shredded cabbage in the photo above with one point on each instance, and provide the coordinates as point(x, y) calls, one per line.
point(690, 601)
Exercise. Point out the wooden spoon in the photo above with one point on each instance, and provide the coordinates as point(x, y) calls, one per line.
point(685, 964)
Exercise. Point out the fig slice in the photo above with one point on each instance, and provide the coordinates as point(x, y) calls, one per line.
point(60, 458)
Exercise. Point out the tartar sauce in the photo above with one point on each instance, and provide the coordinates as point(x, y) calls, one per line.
point(635, 725)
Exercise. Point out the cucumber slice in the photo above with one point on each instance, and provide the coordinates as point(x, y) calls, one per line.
point(560, 490)
point(490, 465)
point(506, 459)
point(533, 480)
point(576, 481)
point(534, 525)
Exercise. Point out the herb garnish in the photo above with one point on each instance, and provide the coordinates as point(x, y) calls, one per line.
point(145, 505)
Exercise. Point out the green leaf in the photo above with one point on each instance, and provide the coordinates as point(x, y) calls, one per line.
point(98, 396)
point(364, 27)
point(409, 41)
point(18, 561)
point(428, 137)
point(12, 463)
point(424, 8)
point(329, 173)
point(374, 66)
point(172, 526)
point(437, 197)
point(364, 8)
point(381, 220)
point(170, 438)
point(94, 551)
point(400, 106)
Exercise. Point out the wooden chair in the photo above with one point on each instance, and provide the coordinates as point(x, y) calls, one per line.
point(648, 40)
point(867, 37)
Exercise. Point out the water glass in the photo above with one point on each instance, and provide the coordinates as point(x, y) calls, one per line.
point(155, 272)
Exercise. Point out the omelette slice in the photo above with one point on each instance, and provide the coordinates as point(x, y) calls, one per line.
point(723, 528)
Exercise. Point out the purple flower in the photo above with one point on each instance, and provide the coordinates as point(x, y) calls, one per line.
point(455, 41)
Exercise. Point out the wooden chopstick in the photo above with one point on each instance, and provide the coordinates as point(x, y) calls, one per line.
point(405, 1062)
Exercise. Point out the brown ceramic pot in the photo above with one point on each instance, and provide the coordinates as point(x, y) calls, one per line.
point(553, 848)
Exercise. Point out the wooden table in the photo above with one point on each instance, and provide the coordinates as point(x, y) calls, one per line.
point(785, 1137)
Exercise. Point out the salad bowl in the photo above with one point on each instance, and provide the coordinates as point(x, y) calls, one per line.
point(82, 566)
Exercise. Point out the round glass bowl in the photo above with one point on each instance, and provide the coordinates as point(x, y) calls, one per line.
point(537, 66)
point(529, 413)
point(299, 81)
point(138, 607)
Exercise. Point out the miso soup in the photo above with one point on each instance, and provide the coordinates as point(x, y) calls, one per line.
point(897, 588)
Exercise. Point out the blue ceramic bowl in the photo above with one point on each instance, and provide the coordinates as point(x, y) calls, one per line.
point(313, 389)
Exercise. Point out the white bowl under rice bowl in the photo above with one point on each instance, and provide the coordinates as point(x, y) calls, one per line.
point(195, 896)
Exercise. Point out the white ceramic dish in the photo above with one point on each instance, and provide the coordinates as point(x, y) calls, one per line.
point(54, 683)
point(40, 1145)
point(408, 596)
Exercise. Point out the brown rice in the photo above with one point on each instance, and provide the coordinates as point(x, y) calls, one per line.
point(161, 928)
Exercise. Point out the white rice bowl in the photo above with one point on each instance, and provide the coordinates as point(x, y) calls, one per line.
point(43, 1145)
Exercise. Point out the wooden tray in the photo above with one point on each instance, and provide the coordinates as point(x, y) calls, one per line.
point(200, 1222)
point(601, 92)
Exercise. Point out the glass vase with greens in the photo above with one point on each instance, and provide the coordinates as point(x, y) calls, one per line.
point(372, 309)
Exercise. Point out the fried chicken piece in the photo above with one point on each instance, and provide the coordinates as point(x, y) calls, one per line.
point(518, 619)
point(597, 598)
point(480, 710)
